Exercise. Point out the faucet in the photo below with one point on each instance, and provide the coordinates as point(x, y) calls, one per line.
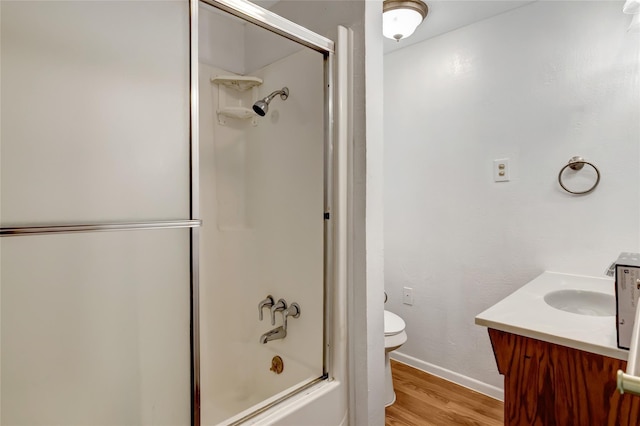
point(275, 334)
point(292, 311)
point(266, 303)
point(280, 306)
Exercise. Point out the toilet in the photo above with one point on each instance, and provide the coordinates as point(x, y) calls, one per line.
point(394, 337)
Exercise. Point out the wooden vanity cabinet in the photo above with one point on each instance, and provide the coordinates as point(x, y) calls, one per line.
point(547, 384)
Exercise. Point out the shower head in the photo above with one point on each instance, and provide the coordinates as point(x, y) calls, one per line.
point(262, 106)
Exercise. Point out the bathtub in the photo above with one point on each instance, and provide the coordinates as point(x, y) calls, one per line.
point(255, 387)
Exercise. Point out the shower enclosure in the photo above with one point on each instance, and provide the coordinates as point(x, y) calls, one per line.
point(209, 300)
point(265, 191)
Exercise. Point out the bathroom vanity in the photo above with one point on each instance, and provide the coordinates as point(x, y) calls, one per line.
point(554, 341)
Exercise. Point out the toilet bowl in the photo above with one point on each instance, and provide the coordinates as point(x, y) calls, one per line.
point(394, 337)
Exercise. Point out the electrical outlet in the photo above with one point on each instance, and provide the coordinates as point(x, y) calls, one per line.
point(501, 170)
point(407, 296)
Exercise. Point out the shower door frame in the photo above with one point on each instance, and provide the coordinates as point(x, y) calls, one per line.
point(193, 222)
point(270, 21)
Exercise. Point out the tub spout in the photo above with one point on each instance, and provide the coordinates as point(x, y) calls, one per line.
point(275, 334)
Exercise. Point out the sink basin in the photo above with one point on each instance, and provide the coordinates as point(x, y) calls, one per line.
point(582, 302)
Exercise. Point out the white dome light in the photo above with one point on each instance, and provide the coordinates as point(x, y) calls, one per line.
point(631, 7)
point(400, 18)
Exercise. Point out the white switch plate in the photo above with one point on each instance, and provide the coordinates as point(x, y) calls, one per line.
point(407, 296)
point(501, 170)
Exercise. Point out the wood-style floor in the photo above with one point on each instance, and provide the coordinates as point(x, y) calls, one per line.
point(423, 399)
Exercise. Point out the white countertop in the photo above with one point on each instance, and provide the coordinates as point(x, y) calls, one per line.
point(525, 312)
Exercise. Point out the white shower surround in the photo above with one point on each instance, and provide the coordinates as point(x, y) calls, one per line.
point(537, 85)
point(360, 293)
point(273, 150)
point(251, 251)
point(253, 384)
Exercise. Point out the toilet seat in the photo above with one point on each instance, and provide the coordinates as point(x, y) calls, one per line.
point(393, 324)
point(394, 337)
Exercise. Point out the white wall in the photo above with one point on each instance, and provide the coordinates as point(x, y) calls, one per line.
point(221, 40)
point(537, 85)
point(264, 47)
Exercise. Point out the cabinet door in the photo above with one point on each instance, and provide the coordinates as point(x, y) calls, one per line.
point(528, 379)
point(548, 384)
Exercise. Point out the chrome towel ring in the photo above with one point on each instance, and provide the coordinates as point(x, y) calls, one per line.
point(577, 163)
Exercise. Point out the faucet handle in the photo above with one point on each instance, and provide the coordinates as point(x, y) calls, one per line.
point(280, 306)
point(292, 311)
point(267, 302)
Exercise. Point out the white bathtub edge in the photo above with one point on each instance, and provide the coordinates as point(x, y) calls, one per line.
point(310, 405)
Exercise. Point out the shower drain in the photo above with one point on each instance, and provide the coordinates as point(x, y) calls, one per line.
point(277, 365)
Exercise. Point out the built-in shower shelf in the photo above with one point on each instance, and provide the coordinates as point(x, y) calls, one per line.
point(237, 112)
point(237, 82)
point(233, 92)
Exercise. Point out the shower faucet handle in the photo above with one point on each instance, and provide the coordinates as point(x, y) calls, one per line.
point(280, 306)
point(266, 303)
point(292, 311)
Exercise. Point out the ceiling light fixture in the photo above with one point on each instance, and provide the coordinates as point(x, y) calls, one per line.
point(632, 7)
point(400, 18)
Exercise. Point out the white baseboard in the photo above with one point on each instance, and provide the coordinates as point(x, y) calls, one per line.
point(452, 376)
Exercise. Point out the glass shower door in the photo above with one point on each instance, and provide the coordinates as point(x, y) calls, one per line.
point(95, 328)
point(263, 195)
point(95, 108)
